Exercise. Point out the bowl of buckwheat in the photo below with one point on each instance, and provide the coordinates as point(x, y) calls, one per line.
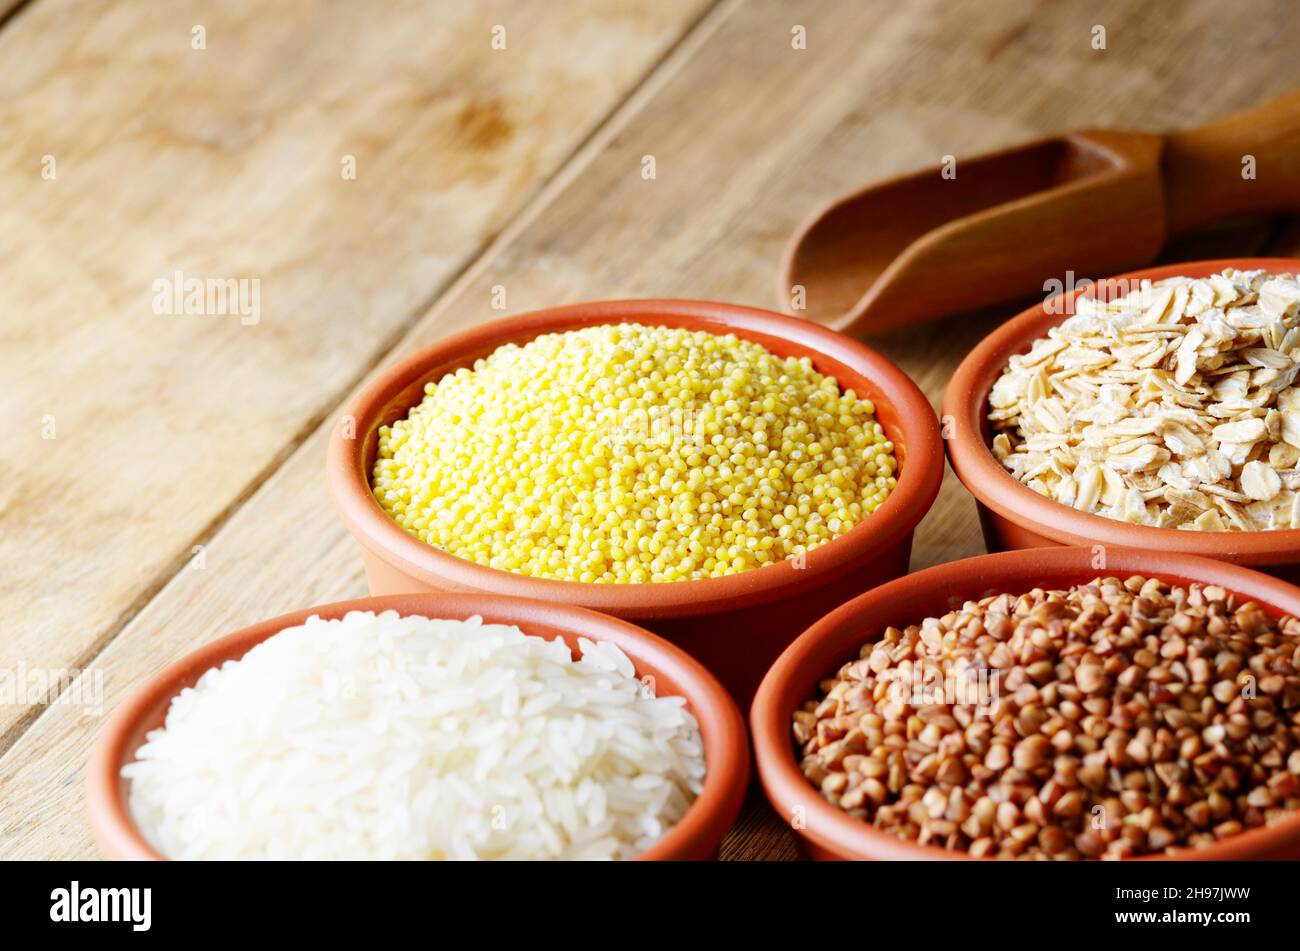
point(1158, 409)
point(1054, 704)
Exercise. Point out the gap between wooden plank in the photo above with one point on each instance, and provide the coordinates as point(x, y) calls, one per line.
point(692, 36)
point(6, 16)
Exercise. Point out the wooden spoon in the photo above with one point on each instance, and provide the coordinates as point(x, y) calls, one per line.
point(1092, 202)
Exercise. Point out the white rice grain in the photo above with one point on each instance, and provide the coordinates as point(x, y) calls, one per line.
point(388, 737)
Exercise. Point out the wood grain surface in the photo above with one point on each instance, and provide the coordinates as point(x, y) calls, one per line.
point(185, 431)
point(139, 432)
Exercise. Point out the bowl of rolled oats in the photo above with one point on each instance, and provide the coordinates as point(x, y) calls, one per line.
point(1158, 409)
point(1043, 704)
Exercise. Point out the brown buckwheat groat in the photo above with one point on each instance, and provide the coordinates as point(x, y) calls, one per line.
point(1117, 718)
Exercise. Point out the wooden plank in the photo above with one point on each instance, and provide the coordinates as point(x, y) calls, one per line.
point(881, 88)
point(759, 834)
point(130, 157)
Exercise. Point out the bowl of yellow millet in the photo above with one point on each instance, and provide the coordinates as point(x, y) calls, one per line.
point(719, 474)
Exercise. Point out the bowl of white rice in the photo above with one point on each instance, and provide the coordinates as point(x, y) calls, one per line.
point(423, 727)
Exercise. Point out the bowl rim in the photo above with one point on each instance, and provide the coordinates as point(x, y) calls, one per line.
point(993, 486)
point(722, 728)
point(919, 475)
point(838, 634)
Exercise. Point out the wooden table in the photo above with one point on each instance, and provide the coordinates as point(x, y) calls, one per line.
point(387, 174)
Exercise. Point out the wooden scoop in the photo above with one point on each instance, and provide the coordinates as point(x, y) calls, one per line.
point(1093, 202)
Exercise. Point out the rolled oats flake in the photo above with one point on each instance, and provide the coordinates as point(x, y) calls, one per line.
point(1173, 406)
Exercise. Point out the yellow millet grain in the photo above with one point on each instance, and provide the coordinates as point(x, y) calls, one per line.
point(629, 453)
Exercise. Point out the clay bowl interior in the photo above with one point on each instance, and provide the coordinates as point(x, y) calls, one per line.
point(697, 836)
point(872, 551)
point(829, 833)
point(1014, 516)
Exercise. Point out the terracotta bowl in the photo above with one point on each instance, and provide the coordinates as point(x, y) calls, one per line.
point(1014, 516)
point(697, 836)
point(829, 833)
point(735, 625)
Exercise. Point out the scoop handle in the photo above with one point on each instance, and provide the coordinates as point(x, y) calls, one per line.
point(1207, 171)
